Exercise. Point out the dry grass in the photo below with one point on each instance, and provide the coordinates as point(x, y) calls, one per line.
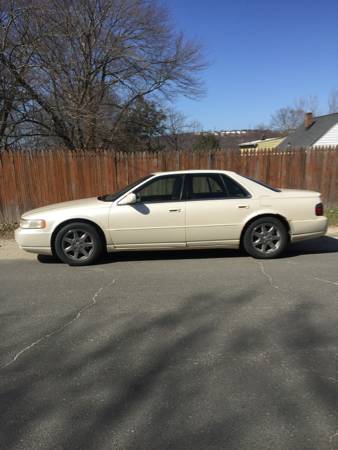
point(332, 215)
point(7, 230)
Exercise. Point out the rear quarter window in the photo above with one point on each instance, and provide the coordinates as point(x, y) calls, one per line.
point(234, 189)
point(261, 183)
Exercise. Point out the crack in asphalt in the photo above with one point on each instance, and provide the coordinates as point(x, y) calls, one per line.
point(334, 283)
point(333, 379)
point(325, 281)
point(332, 438)
point(269, 277)
point(59, 330)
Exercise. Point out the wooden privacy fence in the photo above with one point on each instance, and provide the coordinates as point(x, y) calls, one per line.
point(29, 179)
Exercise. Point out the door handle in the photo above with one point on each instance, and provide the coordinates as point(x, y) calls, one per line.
point(175, 210)
point(243, 206)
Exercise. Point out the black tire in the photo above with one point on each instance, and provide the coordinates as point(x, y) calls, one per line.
point(78, 244)
point(265, 238)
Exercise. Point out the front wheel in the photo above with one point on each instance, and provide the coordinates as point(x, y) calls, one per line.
point(78, 244)
point(265, 238)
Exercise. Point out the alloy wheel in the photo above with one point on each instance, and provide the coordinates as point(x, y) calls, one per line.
point(266, 238)
point(77, 244)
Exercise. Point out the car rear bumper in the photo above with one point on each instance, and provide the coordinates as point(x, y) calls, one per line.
point(308, 229)
point(34, 241)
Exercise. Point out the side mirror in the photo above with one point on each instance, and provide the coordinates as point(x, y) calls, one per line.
point(129, 199)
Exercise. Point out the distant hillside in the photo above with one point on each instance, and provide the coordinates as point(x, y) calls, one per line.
point(251, 135)
point(230, 139)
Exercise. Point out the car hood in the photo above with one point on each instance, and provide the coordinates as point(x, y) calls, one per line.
point(83, 204)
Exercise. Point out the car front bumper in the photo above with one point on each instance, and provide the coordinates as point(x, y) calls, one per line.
point(34, 241)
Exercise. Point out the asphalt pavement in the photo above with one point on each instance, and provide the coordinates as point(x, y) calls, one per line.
point(171, 350)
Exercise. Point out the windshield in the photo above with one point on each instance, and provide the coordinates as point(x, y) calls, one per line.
point(261, 183)
point(116, 195)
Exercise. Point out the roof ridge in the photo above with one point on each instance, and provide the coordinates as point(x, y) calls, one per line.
point(326, 115)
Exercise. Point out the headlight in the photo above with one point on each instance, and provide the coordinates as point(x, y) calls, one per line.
point(32, 223)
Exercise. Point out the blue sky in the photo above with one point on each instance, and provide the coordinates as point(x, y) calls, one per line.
point(263, 55)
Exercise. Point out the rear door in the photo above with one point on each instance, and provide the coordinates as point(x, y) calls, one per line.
point(216, 209)
point(156, 220)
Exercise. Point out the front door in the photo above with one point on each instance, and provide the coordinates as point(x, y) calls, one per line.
point(157, 219)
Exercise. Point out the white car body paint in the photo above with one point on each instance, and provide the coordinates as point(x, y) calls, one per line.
point(179, 224)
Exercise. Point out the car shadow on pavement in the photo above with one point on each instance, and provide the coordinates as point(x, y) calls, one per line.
point(155, 255)
point(325, 244)
point(168, 255)
point(316, 246)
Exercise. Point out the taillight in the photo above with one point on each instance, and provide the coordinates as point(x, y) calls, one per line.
point(319, 209)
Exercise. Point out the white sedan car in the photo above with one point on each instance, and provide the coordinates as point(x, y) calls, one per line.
point(176, 210)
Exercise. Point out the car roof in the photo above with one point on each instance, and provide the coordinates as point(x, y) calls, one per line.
point(180, 172)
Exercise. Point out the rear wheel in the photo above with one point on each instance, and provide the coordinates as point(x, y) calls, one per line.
point(265, 238)
point(78, 244)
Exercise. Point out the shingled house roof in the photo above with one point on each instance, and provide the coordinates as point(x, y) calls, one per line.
point(306, 137)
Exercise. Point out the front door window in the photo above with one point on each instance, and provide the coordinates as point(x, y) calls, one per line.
point(162, 189)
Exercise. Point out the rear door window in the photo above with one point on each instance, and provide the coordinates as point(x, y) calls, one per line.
point(205, 187)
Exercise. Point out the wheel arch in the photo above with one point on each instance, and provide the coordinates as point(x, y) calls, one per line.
point(259, 216)
point(79, 220)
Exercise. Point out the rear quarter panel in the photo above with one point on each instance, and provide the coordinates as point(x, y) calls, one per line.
point(298, 210)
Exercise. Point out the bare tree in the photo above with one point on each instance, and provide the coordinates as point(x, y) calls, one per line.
point(287, 119)
point(88, 61)
point(290, 117)
point(307, 104)
point(177, 130)
point(12, 97)
point(261, 127)
point(333, 101)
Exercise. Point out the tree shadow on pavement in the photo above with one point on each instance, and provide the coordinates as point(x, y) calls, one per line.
point(217, 371)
